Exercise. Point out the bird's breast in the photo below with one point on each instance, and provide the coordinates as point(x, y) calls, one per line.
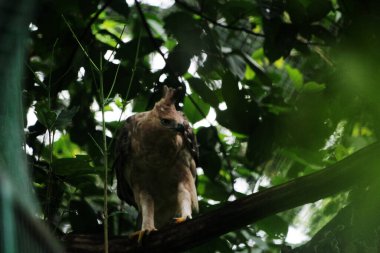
point(158, 149)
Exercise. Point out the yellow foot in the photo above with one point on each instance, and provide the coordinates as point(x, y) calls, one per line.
point(140, 234)
point(181, 219)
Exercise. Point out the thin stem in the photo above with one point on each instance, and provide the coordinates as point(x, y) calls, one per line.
point(133, 72)
point(114, 81)
point(96, 144)
point(51, 73)
point(84, 50)
point(83, 36)
point(105, 155)
point(50, 175)
point(129, 85)
point(118, 66)
point(51, 133)
point(115, 47)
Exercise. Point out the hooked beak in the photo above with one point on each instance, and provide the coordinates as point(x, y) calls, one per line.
point(180, 128)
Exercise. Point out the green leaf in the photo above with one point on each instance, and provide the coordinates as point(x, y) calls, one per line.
point(313, 87)
point(81, 182)
point(258, 70)
point(121, 7)
point(64, 118)
point(280, 39)
point(211, 69)
point(192, 112)
point(128, 50)
point(179, 59)
point(210, 162)
point(45, 115)
point(306, 11)
point(261, 142)
point(296, 77)
point(140, 104)
point(109, 39)
point(236, 65)
point(241, 115)
point(246, 7)
point(64, 147)
point(170, 44)
point(275, 226)
point(80, 165)
point(185, 29)
point(211, 189)
point(204, 91)
point(207, 137)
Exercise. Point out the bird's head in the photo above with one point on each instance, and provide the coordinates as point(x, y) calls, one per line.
point(166, 112)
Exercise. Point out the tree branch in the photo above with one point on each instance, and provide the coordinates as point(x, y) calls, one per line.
point(147, 29)
point(359, 167)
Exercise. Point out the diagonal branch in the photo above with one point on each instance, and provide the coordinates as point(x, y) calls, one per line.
point(147, 28)
point(360, 167)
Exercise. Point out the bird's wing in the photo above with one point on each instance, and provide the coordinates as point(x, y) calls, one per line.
point(122, 151)
point(192, 145)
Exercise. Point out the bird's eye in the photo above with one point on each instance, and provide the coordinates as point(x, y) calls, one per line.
point(165, 122)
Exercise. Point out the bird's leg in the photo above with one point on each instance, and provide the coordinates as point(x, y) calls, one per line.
point(146, 205)
point(184, 201)
point(147, 211)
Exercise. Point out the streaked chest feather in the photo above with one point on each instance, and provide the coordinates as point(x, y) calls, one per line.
point(156, 147)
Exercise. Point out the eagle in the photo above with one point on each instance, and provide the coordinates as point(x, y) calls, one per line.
point(156, 159)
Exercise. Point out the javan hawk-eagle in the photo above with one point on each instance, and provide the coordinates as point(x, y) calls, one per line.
point(156, 156)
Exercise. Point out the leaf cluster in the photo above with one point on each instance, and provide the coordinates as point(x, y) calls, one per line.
point(274, 89)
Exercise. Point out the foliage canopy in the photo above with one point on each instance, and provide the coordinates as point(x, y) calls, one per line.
point(275, 89)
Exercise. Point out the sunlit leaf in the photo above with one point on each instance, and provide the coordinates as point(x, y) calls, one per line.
point(296, 77)
point(194, 111)
point(313, 87)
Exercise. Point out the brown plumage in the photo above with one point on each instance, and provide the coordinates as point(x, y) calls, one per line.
point(156, 155)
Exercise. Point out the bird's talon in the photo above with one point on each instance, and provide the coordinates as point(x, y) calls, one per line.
point(140, 234)
point(181, 219)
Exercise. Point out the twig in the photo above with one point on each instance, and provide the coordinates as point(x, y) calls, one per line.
point(96, 143)
point(86, 30)
point(118, 66)
point(125, 100)
point(50, 140)
point(79, 43)
point(105, 155)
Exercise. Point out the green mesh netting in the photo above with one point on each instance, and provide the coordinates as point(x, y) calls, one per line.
point(20, 231)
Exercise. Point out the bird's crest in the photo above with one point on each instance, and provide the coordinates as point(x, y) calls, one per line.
point(170, 95)
point(166, 106)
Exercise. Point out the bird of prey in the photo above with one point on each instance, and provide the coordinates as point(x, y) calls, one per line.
point(156, 156)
